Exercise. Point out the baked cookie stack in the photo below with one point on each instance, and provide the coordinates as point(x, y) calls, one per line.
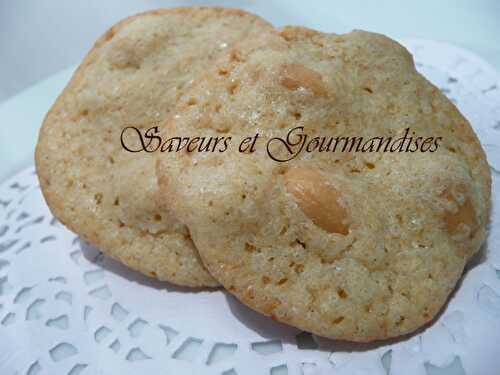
point(348, 245)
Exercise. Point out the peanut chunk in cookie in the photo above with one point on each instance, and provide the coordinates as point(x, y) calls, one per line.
point(294, 76)
point(318, 199)
point(462, 214)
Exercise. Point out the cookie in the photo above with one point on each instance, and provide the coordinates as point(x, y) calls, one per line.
point(132, 77)
point(349, 245)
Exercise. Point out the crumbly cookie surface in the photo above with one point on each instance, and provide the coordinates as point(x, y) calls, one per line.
point(356, 246)
point(133, 76)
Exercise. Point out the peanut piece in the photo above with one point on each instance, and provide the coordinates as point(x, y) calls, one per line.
point(464, 214)
point(294, 76)
point(317, 199)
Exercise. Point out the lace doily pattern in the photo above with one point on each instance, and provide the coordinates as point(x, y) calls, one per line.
point(67, 309)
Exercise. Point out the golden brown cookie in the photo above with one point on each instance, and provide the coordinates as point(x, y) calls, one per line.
point(133, 76)
point(350, 245)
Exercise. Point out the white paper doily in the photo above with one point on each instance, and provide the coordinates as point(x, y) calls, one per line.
point(66, 309)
